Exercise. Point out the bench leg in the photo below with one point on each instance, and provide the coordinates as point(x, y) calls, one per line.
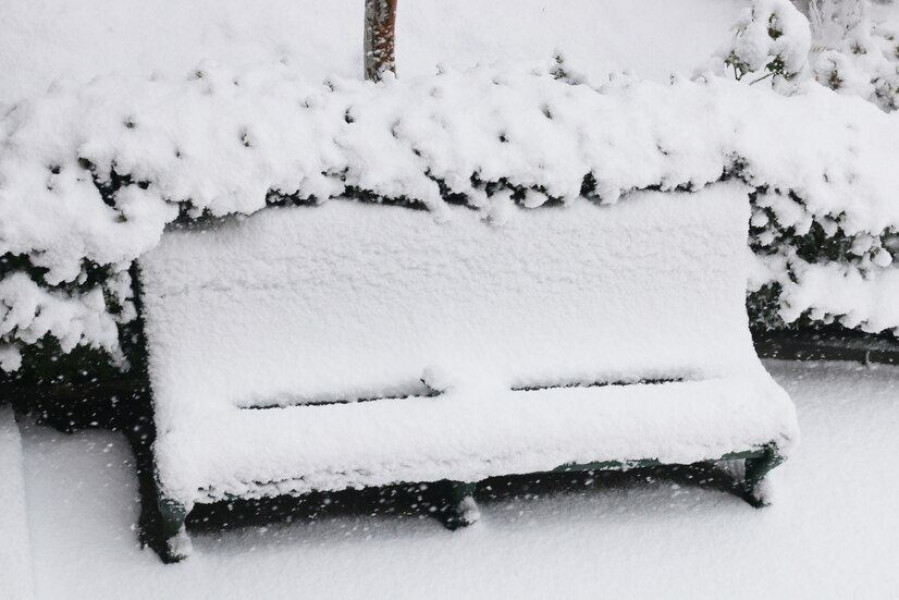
point(754, 475)
point(453, 503)
point(176, 543)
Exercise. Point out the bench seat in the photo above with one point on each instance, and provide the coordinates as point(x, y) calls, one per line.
point(469, 435)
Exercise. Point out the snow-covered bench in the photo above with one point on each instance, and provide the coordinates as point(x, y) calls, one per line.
point(348, 345)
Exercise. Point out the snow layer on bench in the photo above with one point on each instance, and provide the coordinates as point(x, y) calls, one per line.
point(468, 435)
point(345, 301)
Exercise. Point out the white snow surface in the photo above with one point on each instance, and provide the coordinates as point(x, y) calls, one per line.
point(44, 41)
point(856, 49)
point(755, 47)
point(223, 139)
point(345, 300)
point(29, 312)
point(833, 289)
point(220, 141)
point(15, 545)
point(831, 532)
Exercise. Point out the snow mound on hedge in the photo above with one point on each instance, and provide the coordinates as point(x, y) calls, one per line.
point(840, 45)
point(91, 175)
point(853, 53)
point(771, 36)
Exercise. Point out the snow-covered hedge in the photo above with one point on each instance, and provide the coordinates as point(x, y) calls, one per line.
point(772, 39)
point(853, 54)
point(839, 45)
point(90, 176)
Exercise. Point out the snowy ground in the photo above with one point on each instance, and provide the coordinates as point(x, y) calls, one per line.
point(15, 550)
point(833, 532)
point(45, 40)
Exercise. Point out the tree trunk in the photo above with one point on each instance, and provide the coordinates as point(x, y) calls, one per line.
point(380, 39)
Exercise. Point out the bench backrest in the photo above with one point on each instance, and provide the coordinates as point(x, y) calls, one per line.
point(349, 300)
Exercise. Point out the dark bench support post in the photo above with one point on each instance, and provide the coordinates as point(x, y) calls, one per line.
point(453, 503)
point(174, 534)
point(754, 474)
